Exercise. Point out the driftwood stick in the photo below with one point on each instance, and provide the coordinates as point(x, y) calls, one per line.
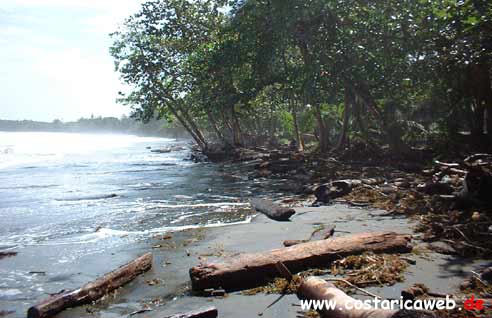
point(313, 288)
point(322, 233)
point(7, 254)
point(93, 290)
point(210, 312)
point(250, 270)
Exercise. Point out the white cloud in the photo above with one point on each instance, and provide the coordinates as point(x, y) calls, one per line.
point(55, 56)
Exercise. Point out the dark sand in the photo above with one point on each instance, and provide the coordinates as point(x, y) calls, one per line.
point(440, 273)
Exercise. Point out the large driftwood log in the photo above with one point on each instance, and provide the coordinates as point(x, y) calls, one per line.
point(93, 290)
point(272, 210)
point(210, 312)
point(318, 289)
point(249, 270)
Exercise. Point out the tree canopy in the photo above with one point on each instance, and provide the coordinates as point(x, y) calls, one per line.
point(333, 73)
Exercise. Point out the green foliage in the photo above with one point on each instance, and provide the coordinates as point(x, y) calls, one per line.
point(246, 71)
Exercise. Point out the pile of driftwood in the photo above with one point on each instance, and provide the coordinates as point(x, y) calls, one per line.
point(251, 270)
point(453, 199)
point(468, 184)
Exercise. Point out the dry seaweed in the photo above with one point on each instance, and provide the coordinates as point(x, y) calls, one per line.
point(476, 286)
point(277, 286)
point(370, 269)
point(359, 270)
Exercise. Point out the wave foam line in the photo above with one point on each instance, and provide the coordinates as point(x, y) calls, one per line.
point(200, 205)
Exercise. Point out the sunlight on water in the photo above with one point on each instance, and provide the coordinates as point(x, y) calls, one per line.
point(21, 148)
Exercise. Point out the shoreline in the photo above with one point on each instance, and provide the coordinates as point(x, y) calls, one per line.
point(165, 289)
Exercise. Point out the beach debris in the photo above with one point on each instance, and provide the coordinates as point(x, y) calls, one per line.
point(91, 291)
point(251, 270)
point(322, 232)
point(7, 254)
point(141, 311)
point(153, 282)
point(371, 269)
point(281, 165)
point(318, 289)
point(215, 292)
point(419, 291)
point(210, 312)
point(325, 193)
point(479, 283)
point(272, 210)
point(277, 286)
point(358, 271)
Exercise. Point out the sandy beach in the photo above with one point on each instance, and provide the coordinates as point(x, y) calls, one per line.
point(165, 289)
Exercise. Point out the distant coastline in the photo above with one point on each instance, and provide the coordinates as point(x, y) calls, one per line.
point(123, 125)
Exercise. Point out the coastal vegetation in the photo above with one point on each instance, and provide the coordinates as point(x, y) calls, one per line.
point(331, 74)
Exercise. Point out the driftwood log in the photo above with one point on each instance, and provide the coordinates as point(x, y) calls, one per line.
point(7, 254)
point(250, 270)
point(272, 210)
point(210, 312)
point(318, 289)
point(93, 290)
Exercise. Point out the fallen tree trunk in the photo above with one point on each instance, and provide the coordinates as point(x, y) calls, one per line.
point(93, 290)
point(250, 270)
point(318, 289)
point(272, 210)
point(210, 312)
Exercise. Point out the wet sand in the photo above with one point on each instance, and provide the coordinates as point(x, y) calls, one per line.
point(173, 258)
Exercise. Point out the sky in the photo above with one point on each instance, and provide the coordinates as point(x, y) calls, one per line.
point(55, 61)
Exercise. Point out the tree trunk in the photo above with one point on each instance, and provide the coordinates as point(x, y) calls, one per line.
point(215, 127)
point(193, 125)
point(346, 118)
point(323, 134)
point(309, 89)
point(249, 270)
point(297, 132)
point(313, 288)
point(201, 143)
point(92, 291)
point(236, 129)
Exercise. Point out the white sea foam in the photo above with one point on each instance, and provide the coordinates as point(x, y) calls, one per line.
point(200, 205)
point(107, 233)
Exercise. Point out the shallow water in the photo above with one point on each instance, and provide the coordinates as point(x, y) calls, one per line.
point(66, 200)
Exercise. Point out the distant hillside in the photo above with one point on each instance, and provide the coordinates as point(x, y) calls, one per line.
point(97, 124)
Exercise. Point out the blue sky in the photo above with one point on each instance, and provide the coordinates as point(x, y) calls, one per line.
point(54, 58)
